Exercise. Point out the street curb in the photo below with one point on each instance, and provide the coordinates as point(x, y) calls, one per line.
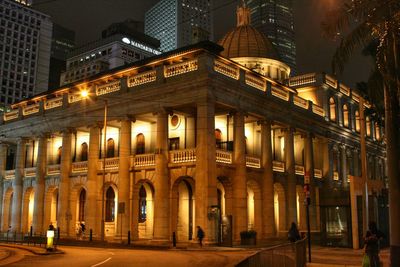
point(33, 251)
point(331, 265)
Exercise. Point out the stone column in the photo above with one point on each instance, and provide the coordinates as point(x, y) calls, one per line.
point(206, 176)
point(18, 186)
point(161, 183)
point(92, 214)
point(3, 161)
point(343, 164)
point(291, 200)
point(64, 209)
point(37, 222)
point(239, 185)
point(124, 178)
point(268, 220)
point(326, 160)
point(309, 169)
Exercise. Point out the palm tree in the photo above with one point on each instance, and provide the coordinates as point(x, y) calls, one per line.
point(357, 23)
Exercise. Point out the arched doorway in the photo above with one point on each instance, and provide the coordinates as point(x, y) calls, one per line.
point(7, 209)
point(146, 211)
point(111, 202)
point(50, 208)
point(183, 209)
point(280, 210)
point(27, 209)
point(301, 208)
point(254, 210)
point(81, 206)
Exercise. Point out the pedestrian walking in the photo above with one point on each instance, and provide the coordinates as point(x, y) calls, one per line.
point(293, 234)
point(372, 239)
point(200, 235)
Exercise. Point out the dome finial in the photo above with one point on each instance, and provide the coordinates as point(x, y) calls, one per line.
point(243, 14)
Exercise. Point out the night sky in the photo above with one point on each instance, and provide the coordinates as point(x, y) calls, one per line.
point(88, 17)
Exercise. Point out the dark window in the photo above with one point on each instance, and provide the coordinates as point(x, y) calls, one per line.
point(84, 152)
point(110, 148)
point(82, 199)
point(140, 144)
point(59, 155)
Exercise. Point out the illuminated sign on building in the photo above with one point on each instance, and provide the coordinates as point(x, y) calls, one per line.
point(141, 46)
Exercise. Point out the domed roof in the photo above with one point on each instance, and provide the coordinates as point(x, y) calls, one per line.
point(245, 40)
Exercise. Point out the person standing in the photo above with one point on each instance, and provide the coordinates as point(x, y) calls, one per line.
point(293, 234)
point(200, 235)
point(372, 238)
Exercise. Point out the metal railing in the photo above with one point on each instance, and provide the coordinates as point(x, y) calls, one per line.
point(26, 238)
point(285, 255)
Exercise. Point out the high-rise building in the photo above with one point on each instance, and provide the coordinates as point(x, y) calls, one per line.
point(177, 23)
point(121, 43)
point(62, 42)
point(274, 18)
point(25, 40)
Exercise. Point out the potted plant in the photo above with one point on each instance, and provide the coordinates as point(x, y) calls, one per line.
point(248, 238)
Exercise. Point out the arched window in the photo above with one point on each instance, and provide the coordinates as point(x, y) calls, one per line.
point(218, 138)
point(357, 115)
point(140, 145)
point(142, 204)
point(377, 132)
point(110, 205)
point(345, 116)
point(59, 150)
point(82, 200)
point(332, 109)
point(84, 152)
point(110, 148)
point(368, 126)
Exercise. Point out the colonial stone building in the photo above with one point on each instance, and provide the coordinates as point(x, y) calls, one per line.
point(188, 138)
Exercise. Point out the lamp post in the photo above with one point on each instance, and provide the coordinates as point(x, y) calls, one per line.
point(104, 170)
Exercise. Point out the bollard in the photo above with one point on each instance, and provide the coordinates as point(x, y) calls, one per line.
point(90, 235)
point(31, 231)
point(173, 239)
point(129, 237)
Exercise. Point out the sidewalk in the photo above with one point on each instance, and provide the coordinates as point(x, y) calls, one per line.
point(341, 257)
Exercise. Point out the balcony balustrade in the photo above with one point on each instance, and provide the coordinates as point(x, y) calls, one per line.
point(303, 79)
point(11, 115)
point(227, 70)
point(31, 109)
point(181, 68)
point(111, 163)
point(278, 166)
point(144, 160)
point(53, 103)
point(299, 170)
point(10, 174)
point(223, 156)
point(336, 176)
point(30, 172)
point(253, 162)
point(300, 102)
point(318, 173)
point(53, 169)
point(318, 110)
point(280, 93)
point(181, 156)
point(81, 166)
point(256, 82)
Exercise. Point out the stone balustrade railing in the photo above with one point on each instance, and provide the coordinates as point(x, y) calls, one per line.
point(253, 162)
point(10, 174)
point(300, 102)
point(144, 160)
point(223, 156)
point(299, 170)
point(278, 166)
point(318, 173)
point(111, 163)
point(81, 166)
point(53, 169)
point(336, 176)
point(30, 172)
point(303, 79)
point(184, 155)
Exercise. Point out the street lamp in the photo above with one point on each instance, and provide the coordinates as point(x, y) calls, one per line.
point(85, 95)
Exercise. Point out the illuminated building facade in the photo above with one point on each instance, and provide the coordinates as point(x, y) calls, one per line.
point(192, 137)
point(25, 41)
point(274, 18)
point(178, 23)
point(113, 50)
